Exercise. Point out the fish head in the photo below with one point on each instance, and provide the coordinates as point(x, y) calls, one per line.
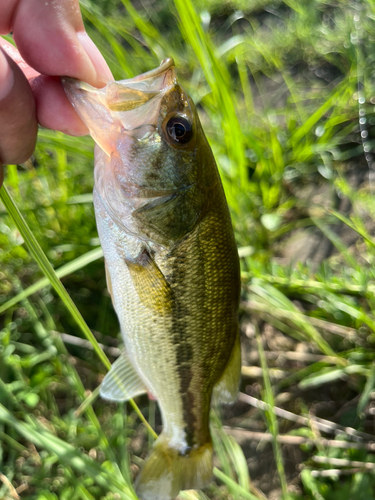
point(152, 146)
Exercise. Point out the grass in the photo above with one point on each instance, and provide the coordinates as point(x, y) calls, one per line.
point(285, 91)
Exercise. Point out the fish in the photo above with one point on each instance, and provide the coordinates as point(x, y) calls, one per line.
point(172, 266)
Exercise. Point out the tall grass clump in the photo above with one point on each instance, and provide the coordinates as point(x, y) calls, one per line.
point(285, 91)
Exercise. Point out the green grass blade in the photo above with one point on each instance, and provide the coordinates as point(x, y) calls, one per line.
point(50, 274)
point(67, 454)
point(277, 300)
point(329, 103)
point(311, 285)
point(328, 375)
point(271, 417)
point(63, 271)
point(369, 387)
point(245, 494)
point(232, 459)
point(218, 78)
point(360, 230)
point(337, 242)
point(44, 264)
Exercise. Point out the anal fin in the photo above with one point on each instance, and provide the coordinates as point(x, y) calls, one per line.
point(226, 389)
point(122, 382)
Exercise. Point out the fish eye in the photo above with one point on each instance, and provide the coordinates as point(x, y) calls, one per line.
point(179, 130)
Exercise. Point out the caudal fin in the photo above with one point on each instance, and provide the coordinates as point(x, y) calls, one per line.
point(166, 472)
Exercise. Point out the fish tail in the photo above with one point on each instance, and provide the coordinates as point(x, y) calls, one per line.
point(166, 471)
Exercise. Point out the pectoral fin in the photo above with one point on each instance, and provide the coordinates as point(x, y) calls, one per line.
point(150, 283)
point(122, 382)
point(226, 389)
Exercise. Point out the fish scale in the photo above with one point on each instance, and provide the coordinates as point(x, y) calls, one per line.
point(171, 264)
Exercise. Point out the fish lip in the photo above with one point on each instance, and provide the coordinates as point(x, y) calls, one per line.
point(165, 65)
point(156, 81)
point(129, 106)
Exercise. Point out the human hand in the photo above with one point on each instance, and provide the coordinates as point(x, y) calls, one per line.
point(51, 41)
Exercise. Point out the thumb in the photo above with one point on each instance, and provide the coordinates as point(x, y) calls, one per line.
point(18, 126)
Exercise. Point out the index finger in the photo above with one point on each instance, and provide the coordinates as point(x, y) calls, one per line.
point(51, 37)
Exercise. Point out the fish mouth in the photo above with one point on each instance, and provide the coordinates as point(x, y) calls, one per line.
point(131, 105)
point(165, 70)
point(126, 95)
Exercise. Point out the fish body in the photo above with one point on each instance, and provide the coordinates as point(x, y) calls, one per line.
point(172, 266)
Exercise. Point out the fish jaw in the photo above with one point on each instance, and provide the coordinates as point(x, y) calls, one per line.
point(126, 107)
point(144, 179)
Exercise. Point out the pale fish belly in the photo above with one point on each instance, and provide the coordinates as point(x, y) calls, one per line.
point(146, 335)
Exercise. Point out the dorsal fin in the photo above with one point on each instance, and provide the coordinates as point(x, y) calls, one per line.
point(227, 387)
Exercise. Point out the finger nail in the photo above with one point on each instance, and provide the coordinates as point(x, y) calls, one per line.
point(101, 67)
point(6, 76)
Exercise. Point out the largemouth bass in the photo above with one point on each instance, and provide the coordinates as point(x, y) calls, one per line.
point(172, 266)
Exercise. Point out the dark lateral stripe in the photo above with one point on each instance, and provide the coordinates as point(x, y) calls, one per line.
point(184, 353)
